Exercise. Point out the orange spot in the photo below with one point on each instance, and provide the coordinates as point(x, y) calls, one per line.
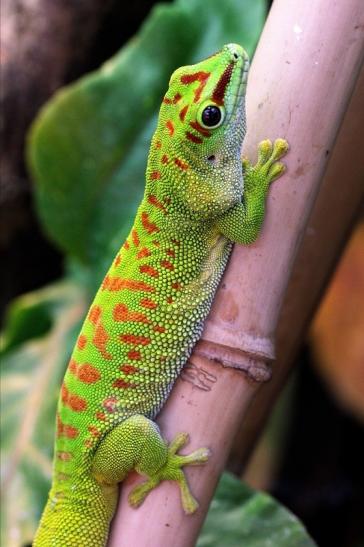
point(149, 304)
point(72, 366)
point(169, 300)
point(183, 113)
point(176, 286)
point(100, 339)
point(148, 270)
point(74, 402)
point(134, 355)
point(126, 245)
point(143, 253)
point(135, 340)
point(81, 342)
point(100, 416)
point(201, 77)
point(154, 201)
point(118, 284)
point(121, 313)
point(93, 430)
point(65, 430)
point(121, 384)
point(159, 328)
point(193, 138)
point(64, 456)
point(165, 159)
point(110, 404)
point(170, 127)
point(88, 374)
point(149, 226)
point(170, 252)
point(202, 130)
point(128, 369)
point(117, 260)
point(167, 265)
point(155, 175)
point(181, 164)
point(95, 312)
point(135, 237)
point(158, 144)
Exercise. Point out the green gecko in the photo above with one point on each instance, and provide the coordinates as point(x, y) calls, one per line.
point(150, 308)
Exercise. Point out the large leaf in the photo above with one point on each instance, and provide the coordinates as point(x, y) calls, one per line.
point(30, 379)
point(88, 147)
point(240, 516)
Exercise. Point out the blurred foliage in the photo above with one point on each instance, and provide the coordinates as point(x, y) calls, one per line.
point(87, 152)
point(337, 333)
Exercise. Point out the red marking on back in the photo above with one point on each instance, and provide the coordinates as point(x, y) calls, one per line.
point(155, 175)
point(154, 201)
point(100, 416)
point(65, 430)
point(183, 113)
point(143, 253)
point(200, 129)
point(128, 369)
point(171, 252)
point(119, 284)
point(135, 237)
point(74, 402)
point(176, 286)
point(158, 144)
point(169, 300)
point(110, 404)
point(149, 226)
point(193, 138)
point(165, 159)
point(149, 304)
point(170, 127)
point(81, 341)
point(121, 313)
point(148, 270)
point(121, 384)
point(167, 265)
point(159, 328)
point(201, 77)
point(176, 242)
point(117, 260)
point(126, 245)
point(93, 430)
point(219, 91)
point(100, 339)
point(134, 355)
point(181, 164)
point(88, 374)
point(64, 456)
point(135, 340)
point(95, 312)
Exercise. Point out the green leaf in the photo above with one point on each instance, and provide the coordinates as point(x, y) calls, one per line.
point(88, 148)
point(30, 378)
point(240, 516)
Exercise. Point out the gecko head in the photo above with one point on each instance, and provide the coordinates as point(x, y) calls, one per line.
point(201, 128)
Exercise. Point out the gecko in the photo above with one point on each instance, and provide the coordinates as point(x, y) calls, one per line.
point(200, 197)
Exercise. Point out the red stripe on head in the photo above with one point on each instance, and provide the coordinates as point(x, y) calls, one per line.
point(149, 226)
point(170, 127)
point(201, 77)
point(182, 165)
point(193, 138)
point(154, 201)
point(148, 270)
point(219, 91)
point(183, 113)
point(205, 132)
point(135, 237)
point(143, 253)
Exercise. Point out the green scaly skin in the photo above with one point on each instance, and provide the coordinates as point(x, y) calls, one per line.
point(150, 309)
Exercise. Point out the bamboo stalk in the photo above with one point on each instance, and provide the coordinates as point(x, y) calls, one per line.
point(301, 81)
point(335, 212)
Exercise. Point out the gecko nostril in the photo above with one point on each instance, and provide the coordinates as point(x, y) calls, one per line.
point(236, 56)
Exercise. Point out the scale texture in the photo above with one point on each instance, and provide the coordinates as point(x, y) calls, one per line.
point(150, 308)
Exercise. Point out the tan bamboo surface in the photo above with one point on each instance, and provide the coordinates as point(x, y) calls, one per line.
point(301, 81)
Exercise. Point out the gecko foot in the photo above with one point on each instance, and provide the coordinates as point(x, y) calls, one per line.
point(172, 471)
point(267, 168)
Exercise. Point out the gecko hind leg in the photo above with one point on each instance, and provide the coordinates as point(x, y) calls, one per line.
point(136, 443)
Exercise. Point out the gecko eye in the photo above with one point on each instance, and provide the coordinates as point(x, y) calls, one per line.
point(211, 116)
